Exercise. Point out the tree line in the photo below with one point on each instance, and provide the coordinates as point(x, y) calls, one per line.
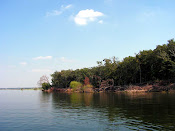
point(146, 66)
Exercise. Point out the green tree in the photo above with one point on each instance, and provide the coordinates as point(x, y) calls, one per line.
point(46, 86)
point(75, 85)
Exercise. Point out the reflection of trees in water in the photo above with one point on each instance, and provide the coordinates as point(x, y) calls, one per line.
point(74, 99)
point(83, 99)
point(45, 97)
point(61, 100)
point(153, 108)
point(88, 98)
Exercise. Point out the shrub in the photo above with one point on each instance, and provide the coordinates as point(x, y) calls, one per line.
point(46, 86)
point(87, 88)
point(75, 85)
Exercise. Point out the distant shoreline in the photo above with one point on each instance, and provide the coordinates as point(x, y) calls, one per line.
point(25, 88)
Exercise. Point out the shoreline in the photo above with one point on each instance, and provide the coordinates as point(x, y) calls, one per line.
point(20, 88)
point(156, 87)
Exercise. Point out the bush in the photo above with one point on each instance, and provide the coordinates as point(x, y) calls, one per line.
point(87, 88)
point(75, 85)
point(46, 86)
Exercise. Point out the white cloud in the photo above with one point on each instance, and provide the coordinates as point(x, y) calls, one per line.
point(41, 70)
point(68, 6)
point(42, 58)
point(58, 12)
point(23, 63)
point(100, 22)
point(85, 16)
point(63, 59)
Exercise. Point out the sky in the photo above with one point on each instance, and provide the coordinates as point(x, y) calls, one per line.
point(39, 37)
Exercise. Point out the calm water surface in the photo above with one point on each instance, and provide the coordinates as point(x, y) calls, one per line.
point(36, 110)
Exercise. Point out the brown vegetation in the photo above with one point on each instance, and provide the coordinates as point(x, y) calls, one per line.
point(108, 86)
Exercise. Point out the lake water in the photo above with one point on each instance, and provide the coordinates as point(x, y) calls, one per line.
point(37, 110)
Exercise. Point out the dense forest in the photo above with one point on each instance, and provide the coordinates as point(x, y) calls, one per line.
point(145, 67)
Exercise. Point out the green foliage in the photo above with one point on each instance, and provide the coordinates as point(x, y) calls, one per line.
point(62, 79)
point(46, 86)
point(75, 85)
point(87, 86)
point(146, 66)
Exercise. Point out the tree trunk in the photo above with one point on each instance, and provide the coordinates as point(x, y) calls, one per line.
point(140, 74)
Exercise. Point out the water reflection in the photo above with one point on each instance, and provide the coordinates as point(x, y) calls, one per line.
point(45, 97)
point(118, 110)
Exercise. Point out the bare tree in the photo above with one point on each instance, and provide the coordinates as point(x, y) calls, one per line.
point(43, 79)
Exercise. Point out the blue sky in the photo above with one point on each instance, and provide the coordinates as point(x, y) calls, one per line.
point(38, 37)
